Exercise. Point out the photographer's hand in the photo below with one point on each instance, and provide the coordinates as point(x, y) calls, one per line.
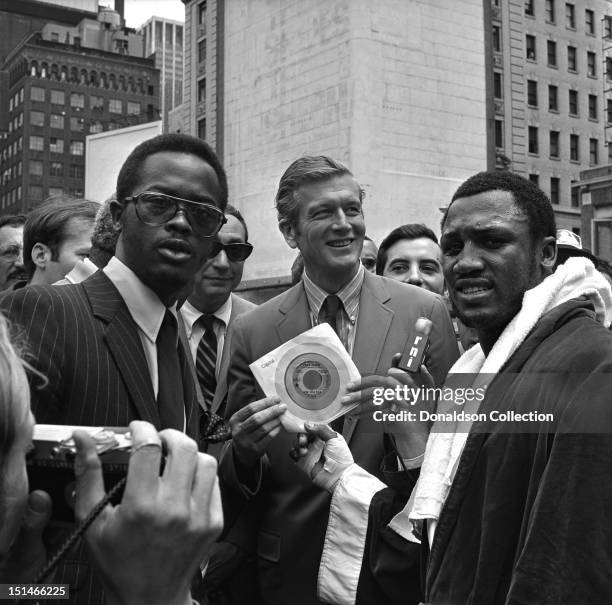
point(28, 555)
point(148, 548)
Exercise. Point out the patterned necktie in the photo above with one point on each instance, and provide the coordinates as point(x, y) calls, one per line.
point(170, 399)
point(329, 314)
point(212, 427)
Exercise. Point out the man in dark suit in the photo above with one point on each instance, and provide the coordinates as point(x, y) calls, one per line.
point(108, 346)
point(319, 205)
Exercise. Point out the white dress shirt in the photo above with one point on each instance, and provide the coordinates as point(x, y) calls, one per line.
point(195, 329)
point(144, 306)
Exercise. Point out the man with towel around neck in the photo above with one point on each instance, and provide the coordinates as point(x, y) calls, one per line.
point(508, 512)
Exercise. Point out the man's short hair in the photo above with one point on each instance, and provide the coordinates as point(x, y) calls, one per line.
point(529, 198)
point(46, 224)
point(12, 220)
point(304, 171)
point(409, 231)
point(104, 235)
point(233, 211)
point(180, 143)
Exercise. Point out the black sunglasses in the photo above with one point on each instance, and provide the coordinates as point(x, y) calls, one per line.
point(154, 209)
point(236, 252)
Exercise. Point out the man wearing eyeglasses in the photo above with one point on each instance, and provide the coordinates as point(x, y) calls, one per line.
point(109, 346)
point(212, 307)
point(11, 251)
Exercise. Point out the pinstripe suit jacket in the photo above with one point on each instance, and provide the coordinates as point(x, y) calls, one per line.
point(82, 338)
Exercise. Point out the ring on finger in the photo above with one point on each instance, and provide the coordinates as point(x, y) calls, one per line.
point(149, 442)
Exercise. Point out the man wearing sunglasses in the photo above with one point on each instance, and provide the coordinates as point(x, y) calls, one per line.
point(109, 347)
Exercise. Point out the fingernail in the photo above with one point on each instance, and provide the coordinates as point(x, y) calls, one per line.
point(309, 425)
point(345, 399)
point(350, 385)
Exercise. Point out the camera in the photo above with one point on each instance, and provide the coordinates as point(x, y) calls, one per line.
point(50, 464)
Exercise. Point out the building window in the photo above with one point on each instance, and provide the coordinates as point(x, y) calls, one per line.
point(553, 98)
point(571, 59)
point(77, 171)
point(37, 143)
point(56, 169)
point(589, 21)
point(573, 102)
point(593, 152)
point(56, 191)
point(58, 97)
point(37, 118)
point(202, 13)
point(56, 120)
point(551, 53)
point(575, 196)
point(202, 128)
point(570, 16)
point(530, 47)
point(37, 94)
point(574, 148)
point(35, 193)
point(554, 144)
point(554, 190)
point(115, 106)
point(499, 134)
point(532, 93)
point(202, 90)
point(133, 108)
point(77, 100)
point(535, 179)
point(35, 168)
point(76, 124)
point(497, 85)
point(533, 140)
point(96, 103)
point(529, 8)
point(549, 11)
point(95, 127)
point(202, 51)
point(591, 64)
point(609, 111)
point(76, 147)
point(56, 145)
point(593, 107)
point(607, 24)
point(496, 38)
point(608, 68)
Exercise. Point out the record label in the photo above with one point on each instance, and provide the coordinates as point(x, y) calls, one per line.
point(312, 380)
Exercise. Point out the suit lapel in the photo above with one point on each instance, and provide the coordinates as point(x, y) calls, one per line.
point(123, 341)
point(295, 314)
point(373, 323)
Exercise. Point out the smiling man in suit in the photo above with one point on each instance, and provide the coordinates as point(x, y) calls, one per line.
point(319, 205)
point(109, 346)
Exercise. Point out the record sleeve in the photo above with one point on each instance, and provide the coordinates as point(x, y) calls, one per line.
point(309, 373)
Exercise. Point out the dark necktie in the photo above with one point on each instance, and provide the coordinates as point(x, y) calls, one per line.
point(212, 427)
point(170, 399)
point(329, 314)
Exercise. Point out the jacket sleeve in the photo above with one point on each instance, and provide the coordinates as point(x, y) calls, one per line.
point(566, 553)
point(32, 315)
point(364, 561)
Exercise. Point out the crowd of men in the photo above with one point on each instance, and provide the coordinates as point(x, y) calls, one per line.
point(129, 312)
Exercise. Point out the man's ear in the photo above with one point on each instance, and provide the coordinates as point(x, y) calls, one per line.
point(548, 252)
point(288, 231)
point(116, 210)
point(41, 255)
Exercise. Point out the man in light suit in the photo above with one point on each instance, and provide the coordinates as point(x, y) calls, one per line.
point(319, 205)
point(108, 346)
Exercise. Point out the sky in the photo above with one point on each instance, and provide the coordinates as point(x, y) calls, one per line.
point(139, 11)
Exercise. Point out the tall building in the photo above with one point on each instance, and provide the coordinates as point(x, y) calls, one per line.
point(547, 83)
point(64, 83)
point(393, 88)
point(163, 38)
